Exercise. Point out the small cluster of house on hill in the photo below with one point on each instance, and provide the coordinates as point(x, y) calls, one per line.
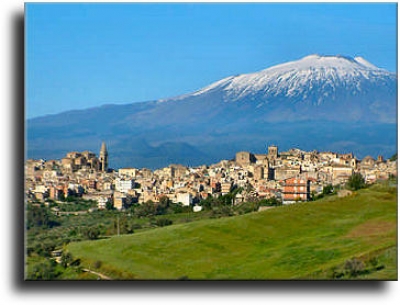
point(291, 176)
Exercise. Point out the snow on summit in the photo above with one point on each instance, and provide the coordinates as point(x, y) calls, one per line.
point(337, 88)
point(296, 77)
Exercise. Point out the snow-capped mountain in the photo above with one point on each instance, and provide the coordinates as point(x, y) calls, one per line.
point(353, 88)
point(333, 103)
point(297, 77)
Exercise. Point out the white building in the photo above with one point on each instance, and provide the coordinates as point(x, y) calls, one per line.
point(185, 198)
point(124, 185)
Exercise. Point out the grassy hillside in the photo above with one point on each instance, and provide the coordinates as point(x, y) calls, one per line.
point(352, 237)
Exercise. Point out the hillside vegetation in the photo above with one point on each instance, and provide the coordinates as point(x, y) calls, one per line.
point(333, 238)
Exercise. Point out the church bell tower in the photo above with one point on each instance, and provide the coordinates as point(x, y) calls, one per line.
point(103, 157)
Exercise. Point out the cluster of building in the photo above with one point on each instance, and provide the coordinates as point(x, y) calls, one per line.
point(290, 176)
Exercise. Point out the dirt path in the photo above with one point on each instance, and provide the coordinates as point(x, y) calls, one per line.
point(101, 276)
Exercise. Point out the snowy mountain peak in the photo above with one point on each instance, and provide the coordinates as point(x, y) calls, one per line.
point(311, 75)
point(366, 63)
point(325, 87)
point(316, 61)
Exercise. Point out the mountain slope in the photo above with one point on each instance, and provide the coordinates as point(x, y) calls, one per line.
point(331, 87)
point(353, 103)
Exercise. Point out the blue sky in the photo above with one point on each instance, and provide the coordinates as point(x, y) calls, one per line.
point(85, 55)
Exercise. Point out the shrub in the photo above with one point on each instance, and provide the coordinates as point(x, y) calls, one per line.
point(221, 211)
point(273, 201)
point(92, 233)
point(328, 189)
point(75, 262)
point(247, 207)
point(356, 182)
point(66, 259)
point(109, 206)
point(44, 271)
point(336, 273)
point(146, 209)
point(354, 267)
point(161, 222)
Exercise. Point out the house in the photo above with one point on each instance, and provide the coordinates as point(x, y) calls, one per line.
point(226, 187)
point(367, 162)
point(124, 185)
point(340, 174)
point(295, 189)
point(119, 200)
point(56, 192)
point(127, 172)
point(102, 202)
point(244, 158)
point(283, 173)
point(185, 198)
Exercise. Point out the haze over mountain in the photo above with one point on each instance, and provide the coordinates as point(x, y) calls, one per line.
point(318, 102)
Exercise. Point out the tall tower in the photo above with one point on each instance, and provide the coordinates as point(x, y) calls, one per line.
point(103, 157)
point(273, 152)
point(272, 156)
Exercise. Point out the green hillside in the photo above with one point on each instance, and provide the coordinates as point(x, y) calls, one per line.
point(352, 237)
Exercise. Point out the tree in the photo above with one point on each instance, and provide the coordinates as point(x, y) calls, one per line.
point(124, 225)
point(207, 203)
point(221, 211)
point(226, 199)
point(163, 205)
point(148, 208)
point(327, 190)
point(92, 233)
point(161, 222)
point(176, 208)
point(394, 157)
point(273, 201)
point(356, 182)
point(66, 259)
point(164, 202)
point(109, 206)
point(39, 216)
point(45, 270)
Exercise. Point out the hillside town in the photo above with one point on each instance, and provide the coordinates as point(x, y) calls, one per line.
point(290, 176)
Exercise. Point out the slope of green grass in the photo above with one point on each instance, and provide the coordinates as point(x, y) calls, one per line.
point(299, 241)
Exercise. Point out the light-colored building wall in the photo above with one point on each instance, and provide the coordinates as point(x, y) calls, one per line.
point(124, 185)
point(119, 199)
point(341, 171)
point(244, 158)
point(185, 198)
point(127, 172)
point(286, 172)
point(226, 187)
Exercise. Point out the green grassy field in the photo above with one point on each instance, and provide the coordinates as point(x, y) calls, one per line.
point(314, 240)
